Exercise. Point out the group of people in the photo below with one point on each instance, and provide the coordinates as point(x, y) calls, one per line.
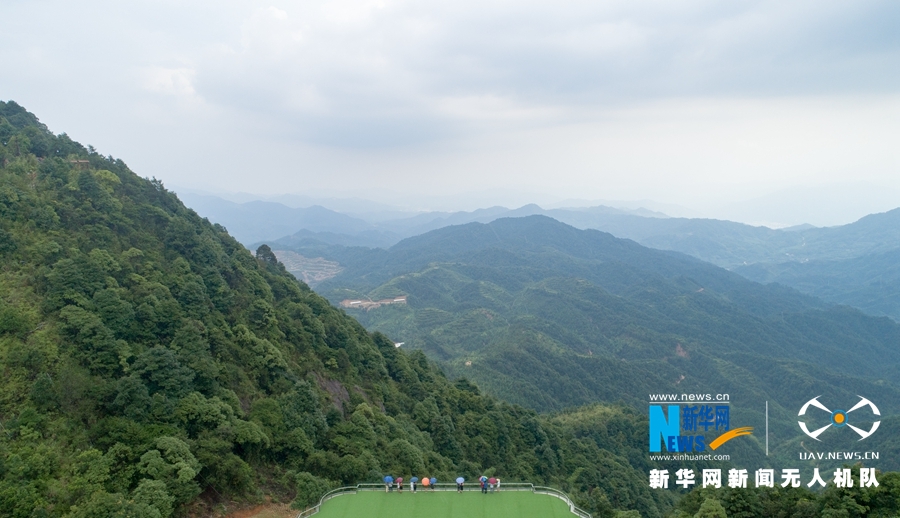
point(389, 482)
point(487, 484)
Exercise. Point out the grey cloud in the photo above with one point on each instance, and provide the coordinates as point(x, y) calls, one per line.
point(745, 49)
point(397, 64)
point(586, 95)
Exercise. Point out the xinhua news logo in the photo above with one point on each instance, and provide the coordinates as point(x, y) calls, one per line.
point(685, 427)
point(840, 418)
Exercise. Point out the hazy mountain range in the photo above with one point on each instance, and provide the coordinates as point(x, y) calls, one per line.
point(358, 222)
point(849, 264)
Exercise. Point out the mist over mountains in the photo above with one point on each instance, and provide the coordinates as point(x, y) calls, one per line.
point(254, 221)
point(848, 264)
point(354, 221)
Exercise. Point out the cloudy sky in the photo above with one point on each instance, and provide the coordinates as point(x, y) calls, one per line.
point(765, 111)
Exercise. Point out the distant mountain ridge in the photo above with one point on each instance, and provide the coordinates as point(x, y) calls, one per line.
point(729, 244)
point(756, 252)
point(724, 243)
point(255, 221)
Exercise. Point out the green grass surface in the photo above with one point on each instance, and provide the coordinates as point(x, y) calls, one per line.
point(445, 504)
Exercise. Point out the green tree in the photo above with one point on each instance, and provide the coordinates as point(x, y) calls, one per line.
point(173, 464)
point(711, 508)
point(152, 495)
point(309, 490)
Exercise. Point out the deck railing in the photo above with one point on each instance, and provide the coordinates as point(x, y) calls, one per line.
point(507, 486)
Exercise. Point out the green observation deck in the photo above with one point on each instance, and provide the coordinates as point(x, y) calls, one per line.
point(514, 501)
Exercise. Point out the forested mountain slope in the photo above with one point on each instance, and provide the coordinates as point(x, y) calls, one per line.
point(548, 316)
point(152, 366)
point(870, 282)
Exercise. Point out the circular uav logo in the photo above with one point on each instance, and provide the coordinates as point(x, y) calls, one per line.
point(839, 418)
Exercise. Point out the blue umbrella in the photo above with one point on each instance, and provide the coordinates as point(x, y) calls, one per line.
point(414, 479)
point(389, 479)
point(460, 480)
point(433, 481)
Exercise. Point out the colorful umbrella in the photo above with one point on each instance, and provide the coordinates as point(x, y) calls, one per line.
point(483, 478)
point(460, 480)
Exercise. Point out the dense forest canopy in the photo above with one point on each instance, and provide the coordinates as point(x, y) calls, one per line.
point(152, 366)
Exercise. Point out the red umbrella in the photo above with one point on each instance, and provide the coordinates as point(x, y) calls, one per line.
point(492, 480)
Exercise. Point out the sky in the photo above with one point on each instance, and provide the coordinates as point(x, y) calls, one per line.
point(767, 112)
